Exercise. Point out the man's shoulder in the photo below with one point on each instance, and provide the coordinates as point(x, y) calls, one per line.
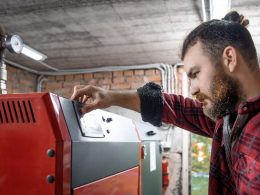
point(253, 124)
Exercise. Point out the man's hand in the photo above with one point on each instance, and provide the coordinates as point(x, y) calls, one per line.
point(97, 98)
point(93, 97)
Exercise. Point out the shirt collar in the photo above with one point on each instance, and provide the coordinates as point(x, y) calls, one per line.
point(250, 106)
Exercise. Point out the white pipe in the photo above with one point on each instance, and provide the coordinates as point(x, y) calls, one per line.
point(165, 69)
point(22, 67)
point(88, 70)
point(185, 144)
point(171, 80)
point(48, 66)
point(164, 76)
point(3, 78)
point(176, 76)
point(40, 80)
point(204, 14)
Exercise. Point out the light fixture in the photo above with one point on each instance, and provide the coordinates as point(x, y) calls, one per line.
point(32, 53)
point(219, 8)
point(14, 44)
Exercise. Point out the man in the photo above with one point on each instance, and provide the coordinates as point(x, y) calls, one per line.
point(221, 61)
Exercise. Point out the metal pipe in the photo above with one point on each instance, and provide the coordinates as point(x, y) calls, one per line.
point(40, 80)
point(3, 76)
point(165, 69)
point(172, 80)
point(161, 67)
point(3, 71)
point(22, 67)
point(48, 66)
point(204, 14)
point(176, 76)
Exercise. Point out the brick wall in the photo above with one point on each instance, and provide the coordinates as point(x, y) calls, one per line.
point(20, 81)
point(117, 80)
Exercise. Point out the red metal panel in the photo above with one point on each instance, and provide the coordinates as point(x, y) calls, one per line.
point(63, 146)
point(122, 183)
point(24, 162)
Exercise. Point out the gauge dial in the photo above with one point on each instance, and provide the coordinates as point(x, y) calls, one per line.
point(14, 43)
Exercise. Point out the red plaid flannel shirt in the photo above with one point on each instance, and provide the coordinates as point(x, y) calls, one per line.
point(244, 178)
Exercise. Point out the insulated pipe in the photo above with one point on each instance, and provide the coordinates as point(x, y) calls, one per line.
point(48, 66)
point(172, 79)
point(161, 67)
point(204, 14)
point(176, 76)
point(40, 80)
point(3, 71)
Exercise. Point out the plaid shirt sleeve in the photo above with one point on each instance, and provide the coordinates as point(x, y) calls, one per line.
point(246, 150)
point(187, 114)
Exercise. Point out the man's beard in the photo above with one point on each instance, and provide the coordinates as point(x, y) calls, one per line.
point(226, 93)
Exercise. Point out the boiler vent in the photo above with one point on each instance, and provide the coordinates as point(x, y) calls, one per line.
point(16, 112)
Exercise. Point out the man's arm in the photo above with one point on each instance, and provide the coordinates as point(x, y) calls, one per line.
point(155, 107)
point(187, 113)
point(95, 98)
point(147, 100)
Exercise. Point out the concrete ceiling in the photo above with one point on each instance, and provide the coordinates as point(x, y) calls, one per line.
point(93, 33)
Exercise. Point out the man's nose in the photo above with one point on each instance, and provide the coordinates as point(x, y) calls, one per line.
point(194, 89)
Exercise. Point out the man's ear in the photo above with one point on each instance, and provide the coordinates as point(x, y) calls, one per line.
point(230, 58)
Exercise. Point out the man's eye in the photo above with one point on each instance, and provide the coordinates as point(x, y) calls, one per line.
point(195, 74)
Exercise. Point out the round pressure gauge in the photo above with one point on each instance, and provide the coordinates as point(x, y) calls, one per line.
point(14, 43)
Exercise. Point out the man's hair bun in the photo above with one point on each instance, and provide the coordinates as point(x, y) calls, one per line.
point(234, 16)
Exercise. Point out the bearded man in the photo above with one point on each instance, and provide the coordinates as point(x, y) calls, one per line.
point(221, 62)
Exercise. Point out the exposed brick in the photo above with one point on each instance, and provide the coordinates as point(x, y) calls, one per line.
point(85, 81)
point(117, 73)
point(78, 77)
point(106, 86)
point(59, 78)
point(99, 75)
point(158, 83)
point(11, 69)
point(139, 72)
point(136, 85)
point(70, 84)
point(20, 81)
point(139, 79)
point(88, 76)
point(129, 73)
point(69, 78)
point(118, 80)
point(65, 92)
point(93, 82)
point(54, 85)
point(150, 72)
point(27, 83)
point(105, 81)
point(108, 75)
point(157, 72)
point(130, 79)
point(121, 86)
point(51, 78)
point(152, 78)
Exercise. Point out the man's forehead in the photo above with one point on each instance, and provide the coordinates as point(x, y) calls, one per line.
point(192, 53)
point(188, 65)
point(196, 57)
